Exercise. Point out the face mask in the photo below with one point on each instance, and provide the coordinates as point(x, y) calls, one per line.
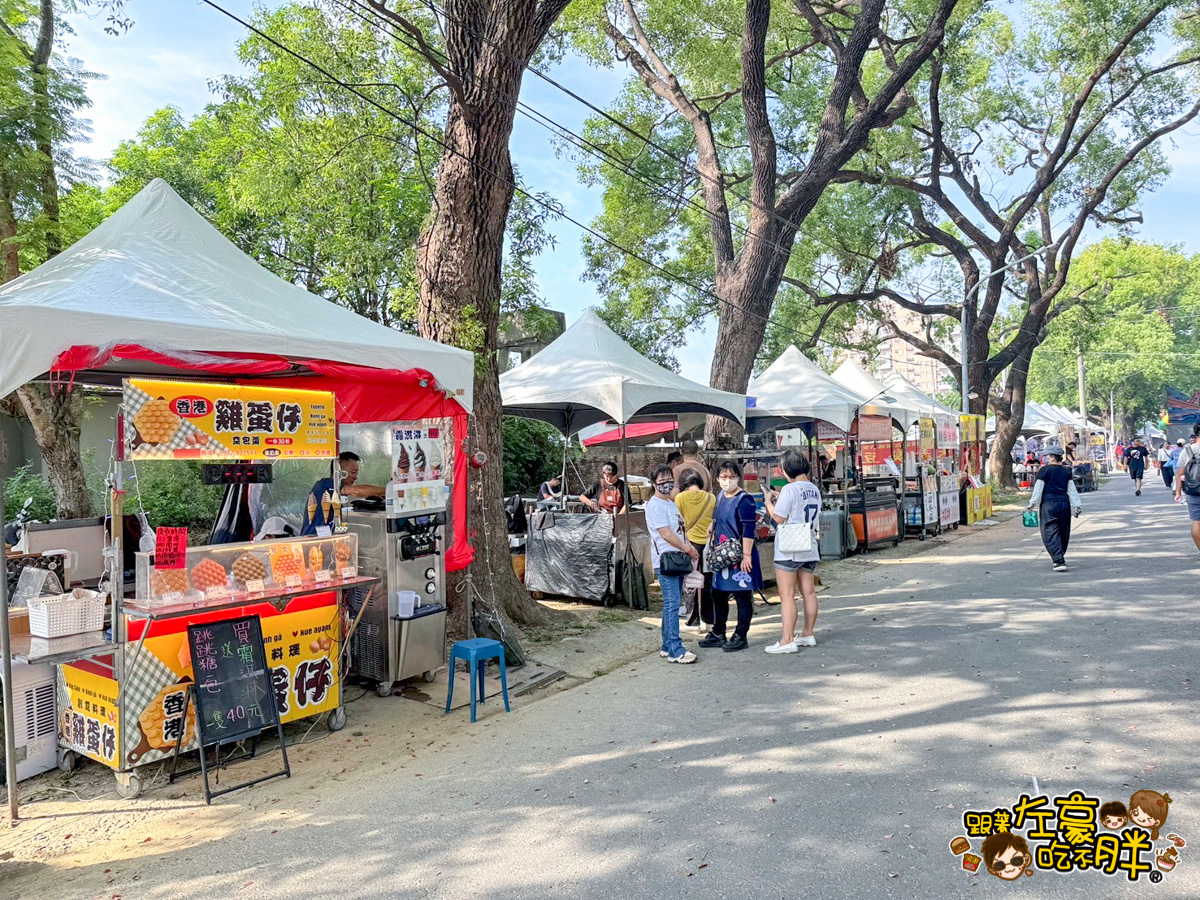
point(727, 484)
point(665, 487)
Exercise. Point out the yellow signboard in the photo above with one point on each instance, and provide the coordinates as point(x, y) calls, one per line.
point(195, 420)
point(89, 722)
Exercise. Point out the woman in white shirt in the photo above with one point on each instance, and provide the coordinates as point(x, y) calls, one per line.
point(798, 502)
point(665, 524)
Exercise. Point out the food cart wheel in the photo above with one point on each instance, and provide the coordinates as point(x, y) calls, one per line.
point(129, 784)
point(67, 761)
point(337, 719)
point(428, 677)
point(384, 689)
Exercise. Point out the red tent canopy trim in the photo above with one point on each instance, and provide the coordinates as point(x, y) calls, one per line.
point(637, 430)
point(363, 394)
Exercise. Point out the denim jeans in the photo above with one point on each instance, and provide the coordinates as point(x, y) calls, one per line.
point(672, 590)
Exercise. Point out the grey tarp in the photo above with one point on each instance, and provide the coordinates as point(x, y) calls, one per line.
point(569, 554)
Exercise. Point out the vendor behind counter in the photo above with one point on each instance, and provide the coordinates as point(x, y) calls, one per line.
point(318, 504)
point(610, 494)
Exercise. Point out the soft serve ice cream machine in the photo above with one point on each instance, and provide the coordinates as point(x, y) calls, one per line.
point(402, 633)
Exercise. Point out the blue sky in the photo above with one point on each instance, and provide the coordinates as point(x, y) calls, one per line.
point(175, 48)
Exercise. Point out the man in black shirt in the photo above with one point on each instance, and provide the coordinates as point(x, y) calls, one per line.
point(1055, 489)
point(1135, 464)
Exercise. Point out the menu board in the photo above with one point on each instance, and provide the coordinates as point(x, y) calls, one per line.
point(198, 420)
point(234, 697)
point(874, 428)
point(417, 452)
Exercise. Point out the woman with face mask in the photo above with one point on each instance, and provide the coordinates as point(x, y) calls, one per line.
point(665, 524)
point(734, 520)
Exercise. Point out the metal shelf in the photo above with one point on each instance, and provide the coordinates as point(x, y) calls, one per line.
point(56, 651)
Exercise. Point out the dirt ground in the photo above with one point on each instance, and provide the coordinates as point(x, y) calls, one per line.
point(76, 823)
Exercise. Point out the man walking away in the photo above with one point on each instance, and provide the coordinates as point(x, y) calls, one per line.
point(1187, 481)
point(1135, 464)
point(690, 461)
point(1055, 489)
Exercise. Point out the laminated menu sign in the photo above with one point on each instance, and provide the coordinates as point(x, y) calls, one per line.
point(234, 696)
point(170, 548)
point(193, 420)
point(417, 452)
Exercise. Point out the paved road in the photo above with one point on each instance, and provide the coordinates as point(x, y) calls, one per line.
point(943, 682)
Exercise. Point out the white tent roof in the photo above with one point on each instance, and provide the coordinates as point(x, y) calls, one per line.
point(590, 375)
point(871, 392)
point(912, 396)
point(794, 387)
point(158, 275)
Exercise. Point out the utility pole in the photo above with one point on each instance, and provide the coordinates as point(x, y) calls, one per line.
point(1083, 417)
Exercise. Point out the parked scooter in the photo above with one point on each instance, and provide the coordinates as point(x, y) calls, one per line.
point(14, 529)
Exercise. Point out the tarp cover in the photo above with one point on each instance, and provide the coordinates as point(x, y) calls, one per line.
point(794, 387)
point(588, 375)
point(569, 554)
point(156, 275)
point(871, 393)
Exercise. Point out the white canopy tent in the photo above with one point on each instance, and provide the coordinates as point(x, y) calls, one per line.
point(589, 375)
point(874, 397)
point(158, 276)
point(913, 397)
point(795, 388)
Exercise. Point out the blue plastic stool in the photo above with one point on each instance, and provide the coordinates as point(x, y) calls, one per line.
point(476, 653)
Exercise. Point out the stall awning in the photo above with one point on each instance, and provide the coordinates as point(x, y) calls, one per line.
point(155, 289)
point(795, 389)
point(874, 396)
point(588, 375)
point(632, 433)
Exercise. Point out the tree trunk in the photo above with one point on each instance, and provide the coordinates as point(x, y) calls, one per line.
point(10, 250)
point(460, 261)
point(55, 413)
point(1010, 417)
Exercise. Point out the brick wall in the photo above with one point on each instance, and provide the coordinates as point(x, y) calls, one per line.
point(642, 461)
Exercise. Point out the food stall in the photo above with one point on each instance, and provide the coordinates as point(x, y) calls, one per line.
point(949, 474)
point(586, 376)
point(976, 502)
point(805, 405)
point(221, 361)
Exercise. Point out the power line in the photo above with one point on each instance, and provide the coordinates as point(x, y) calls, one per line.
point(553, 209)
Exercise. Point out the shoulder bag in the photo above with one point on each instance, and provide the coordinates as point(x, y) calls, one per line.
point(794, 537)
point(674, 563)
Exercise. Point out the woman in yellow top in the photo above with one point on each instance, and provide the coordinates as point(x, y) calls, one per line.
point(696, 505)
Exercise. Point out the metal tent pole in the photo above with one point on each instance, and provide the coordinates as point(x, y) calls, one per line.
point(10, 734)
point(624, 501)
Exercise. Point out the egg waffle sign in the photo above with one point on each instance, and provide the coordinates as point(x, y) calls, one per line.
point(189, 420)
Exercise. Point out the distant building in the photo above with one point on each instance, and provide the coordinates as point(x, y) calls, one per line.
point(899, 356)
point(524, 332)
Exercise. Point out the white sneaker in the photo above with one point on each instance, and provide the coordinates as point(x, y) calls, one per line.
point(802, 641)
point(782, 648)
point(689, 629)
point(688, 657)
point(662, 653)
point(1060, 567)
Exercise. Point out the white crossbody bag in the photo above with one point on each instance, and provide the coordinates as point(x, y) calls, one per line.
point(794, 537)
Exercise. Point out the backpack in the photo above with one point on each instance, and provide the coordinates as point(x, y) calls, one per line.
point(1191, 472)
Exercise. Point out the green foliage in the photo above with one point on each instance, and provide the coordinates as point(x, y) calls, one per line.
point(175, 494)
point(23, 484)
point(1138, 324)
point(532, 453)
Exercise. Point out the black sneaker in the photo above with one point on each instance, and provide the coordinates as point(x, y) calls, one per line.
point(712, 640)
point(737, 642)
point(1137, 493)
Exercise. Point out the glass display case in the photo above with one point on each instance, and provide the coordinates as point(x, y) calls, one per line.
point(221, 572)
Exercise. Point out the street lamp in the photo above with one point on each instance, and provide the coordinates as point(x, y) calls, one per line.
point(967, 394)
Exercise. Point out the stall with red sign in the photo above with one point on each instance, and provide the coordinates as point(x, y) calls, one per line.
point(219, 361)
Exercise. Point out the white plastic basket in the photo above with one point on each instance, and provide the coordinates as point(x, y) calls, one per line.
point(74, 613)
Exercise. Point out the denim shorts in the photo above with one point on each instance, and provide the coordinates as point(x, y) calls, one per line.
point(1193, 505)
point(787, 565)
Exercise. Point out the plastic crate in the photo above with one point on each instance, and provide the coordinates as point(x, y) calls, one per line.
point(74, 613)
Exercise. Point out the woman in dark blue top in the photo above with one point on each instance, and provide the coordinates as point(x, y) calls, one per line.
point(734, 520)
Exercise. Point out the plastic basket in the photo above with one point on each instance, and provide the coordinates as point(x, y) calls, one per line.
point(74, 613)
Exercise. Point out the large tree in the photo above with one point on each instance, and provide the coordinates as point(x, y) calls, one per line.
point(41, 95)
point(481, 53)
point(1030, 129)
point(757, 109)
point(1137, 326)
